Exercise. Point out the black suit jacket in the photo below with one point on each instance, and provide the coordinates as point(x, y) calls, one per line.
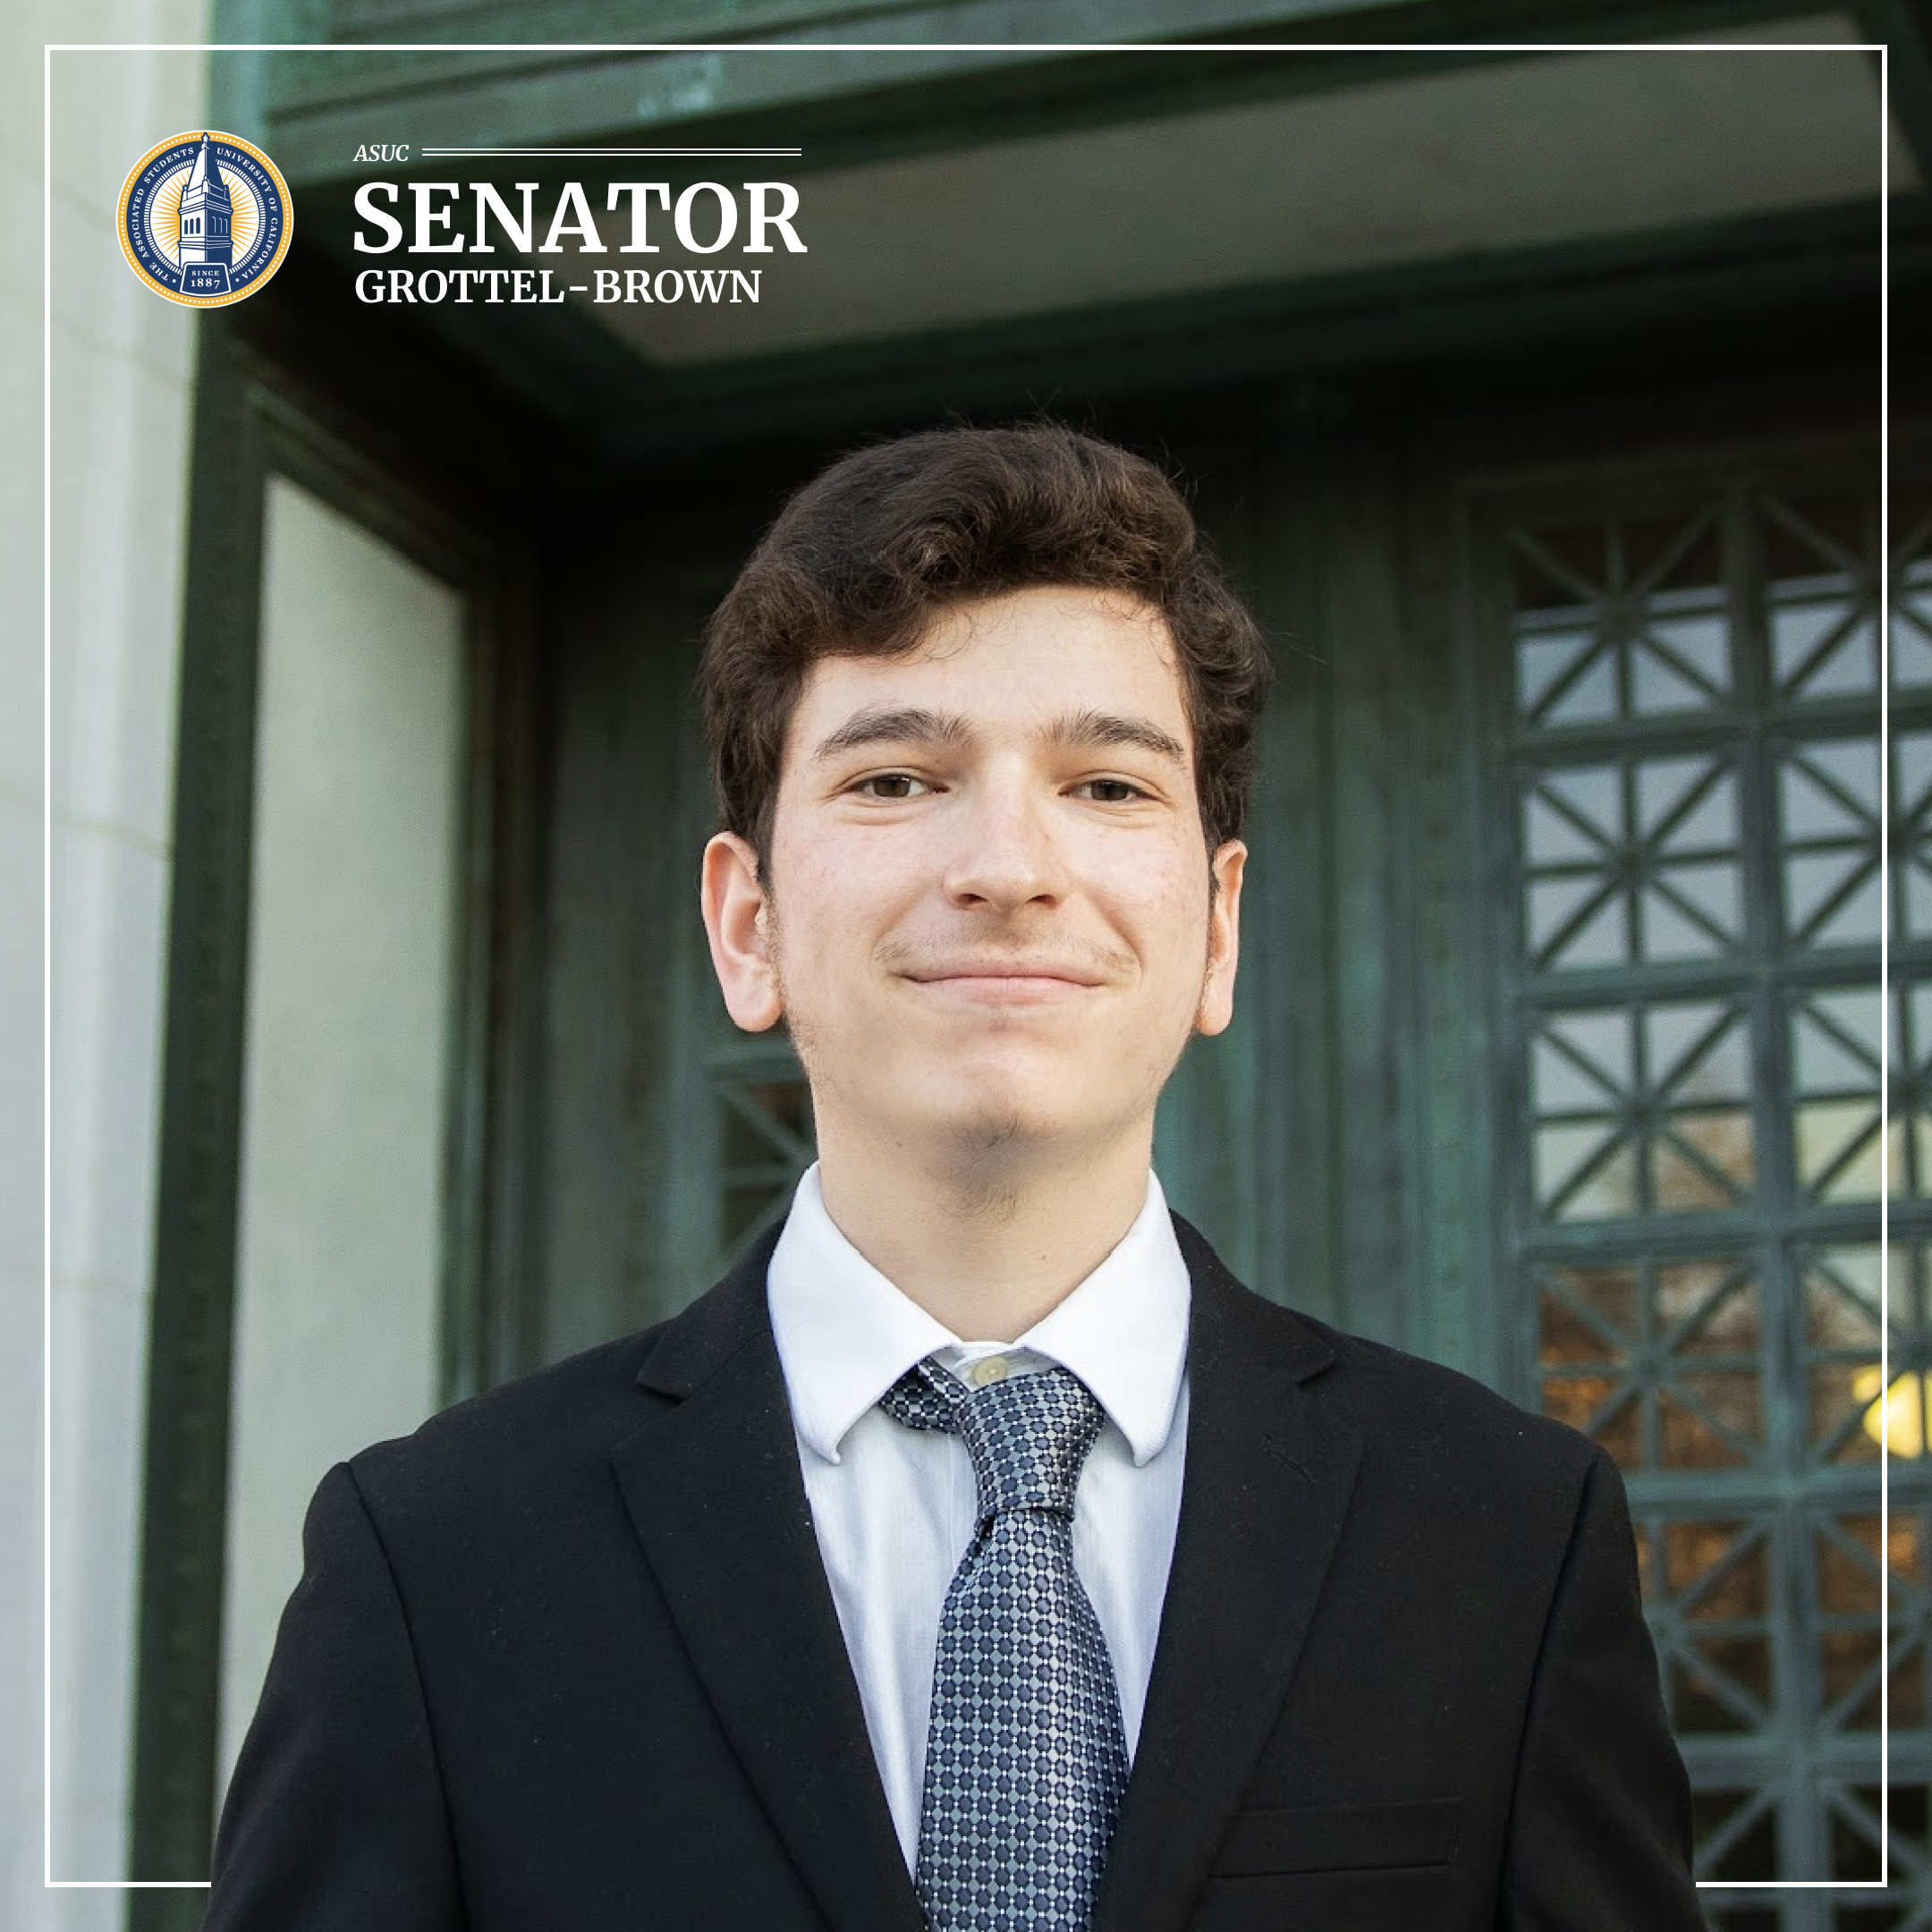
point(567, 1657)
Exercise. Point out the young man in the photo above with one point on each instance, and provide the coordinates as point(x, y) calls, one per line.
point(978, 1554)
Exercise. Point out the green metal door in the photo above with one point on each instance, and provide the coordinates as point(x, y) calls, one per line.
point(1687, 793)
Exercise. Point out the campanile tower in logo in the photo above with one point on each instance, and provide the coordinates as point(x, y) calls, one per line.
point(206, 227)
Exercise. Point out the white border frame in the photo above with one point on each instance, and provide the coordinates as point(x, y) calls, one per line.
point(964, 47)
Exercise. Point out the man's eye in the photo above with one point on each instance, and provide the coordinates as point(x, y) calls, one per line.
point(1113, 791)
point(892, 784)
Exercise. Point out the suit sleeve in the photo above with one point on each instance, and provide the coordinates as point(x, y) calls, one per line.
point(1599, 1834)
point(336, 1820)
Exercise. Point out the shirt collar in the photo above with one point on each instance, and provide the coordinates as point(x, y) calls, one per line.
point(845, 1333)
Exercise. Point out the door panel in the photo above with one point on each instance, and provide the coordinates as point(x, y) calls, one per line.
point(1685, 786)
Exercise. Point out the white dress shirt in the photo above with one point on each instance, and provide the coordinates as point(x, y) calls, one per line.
point(895, 1507)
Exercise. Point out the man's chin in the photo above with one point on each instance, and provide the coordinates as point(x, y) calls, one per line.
point(1008, 1131)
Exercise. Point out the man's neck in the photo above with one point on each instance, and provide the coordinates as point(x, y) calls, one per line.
point(989, 1252)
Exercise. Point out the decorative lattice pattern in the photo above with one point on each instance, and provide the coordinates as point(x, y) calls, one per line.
point(1662, 1361)
point(765, 1137)
point(1641, 1108)
point(1633, 861)
point(1697, 795)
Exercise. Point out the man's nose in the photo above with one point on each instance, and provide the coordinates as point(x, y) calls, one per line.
point(1008, 850)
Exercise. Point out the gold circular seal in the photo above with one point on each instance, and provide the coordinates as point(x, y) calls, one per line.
point(204, 218)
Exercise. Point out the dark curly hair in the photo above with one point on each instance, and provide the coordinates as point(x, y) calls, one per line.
point(865, 557)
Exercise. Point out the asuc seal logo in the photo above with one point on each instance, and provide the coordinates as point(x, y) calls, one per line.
point(205, 219)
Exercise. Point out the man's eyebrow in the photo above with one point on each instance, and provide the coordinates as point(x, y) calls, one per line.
point(894, 725)
point(915, 724)
point(1091, 727)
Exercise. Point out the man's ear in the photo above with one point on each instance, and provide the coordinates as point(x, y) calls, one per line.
point(737, 920)
point(1223, 939)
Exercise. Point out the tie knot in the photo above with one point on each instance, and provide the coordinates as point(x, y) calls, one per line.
point(1028, 1436)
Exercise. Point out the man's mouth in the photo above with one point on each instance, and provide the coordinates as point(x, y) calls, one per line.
point(1006, 969)
point(1007, 982)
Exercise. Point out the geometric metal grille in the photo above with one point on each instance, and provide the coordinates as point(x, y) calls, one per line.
point(765, 1137)
point(1689, 723)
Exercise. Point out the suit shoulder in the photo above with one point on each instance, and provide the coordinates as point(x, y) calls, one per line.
point(1413, 1407)
point(1397, 1382)
point(1400, 1401)
point(525, 1431)
point(537, 1448)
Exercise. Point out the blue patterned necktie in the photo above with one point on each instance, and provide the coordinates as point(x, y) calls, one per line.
point(1025, 1757)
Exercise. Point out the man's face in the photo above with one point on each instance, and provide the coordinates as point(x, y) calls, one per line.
point(990, 924)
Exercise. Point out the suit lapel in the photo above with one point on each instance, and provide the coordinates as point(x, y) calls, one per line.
point(715, 1490)
point(1267, 1487)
